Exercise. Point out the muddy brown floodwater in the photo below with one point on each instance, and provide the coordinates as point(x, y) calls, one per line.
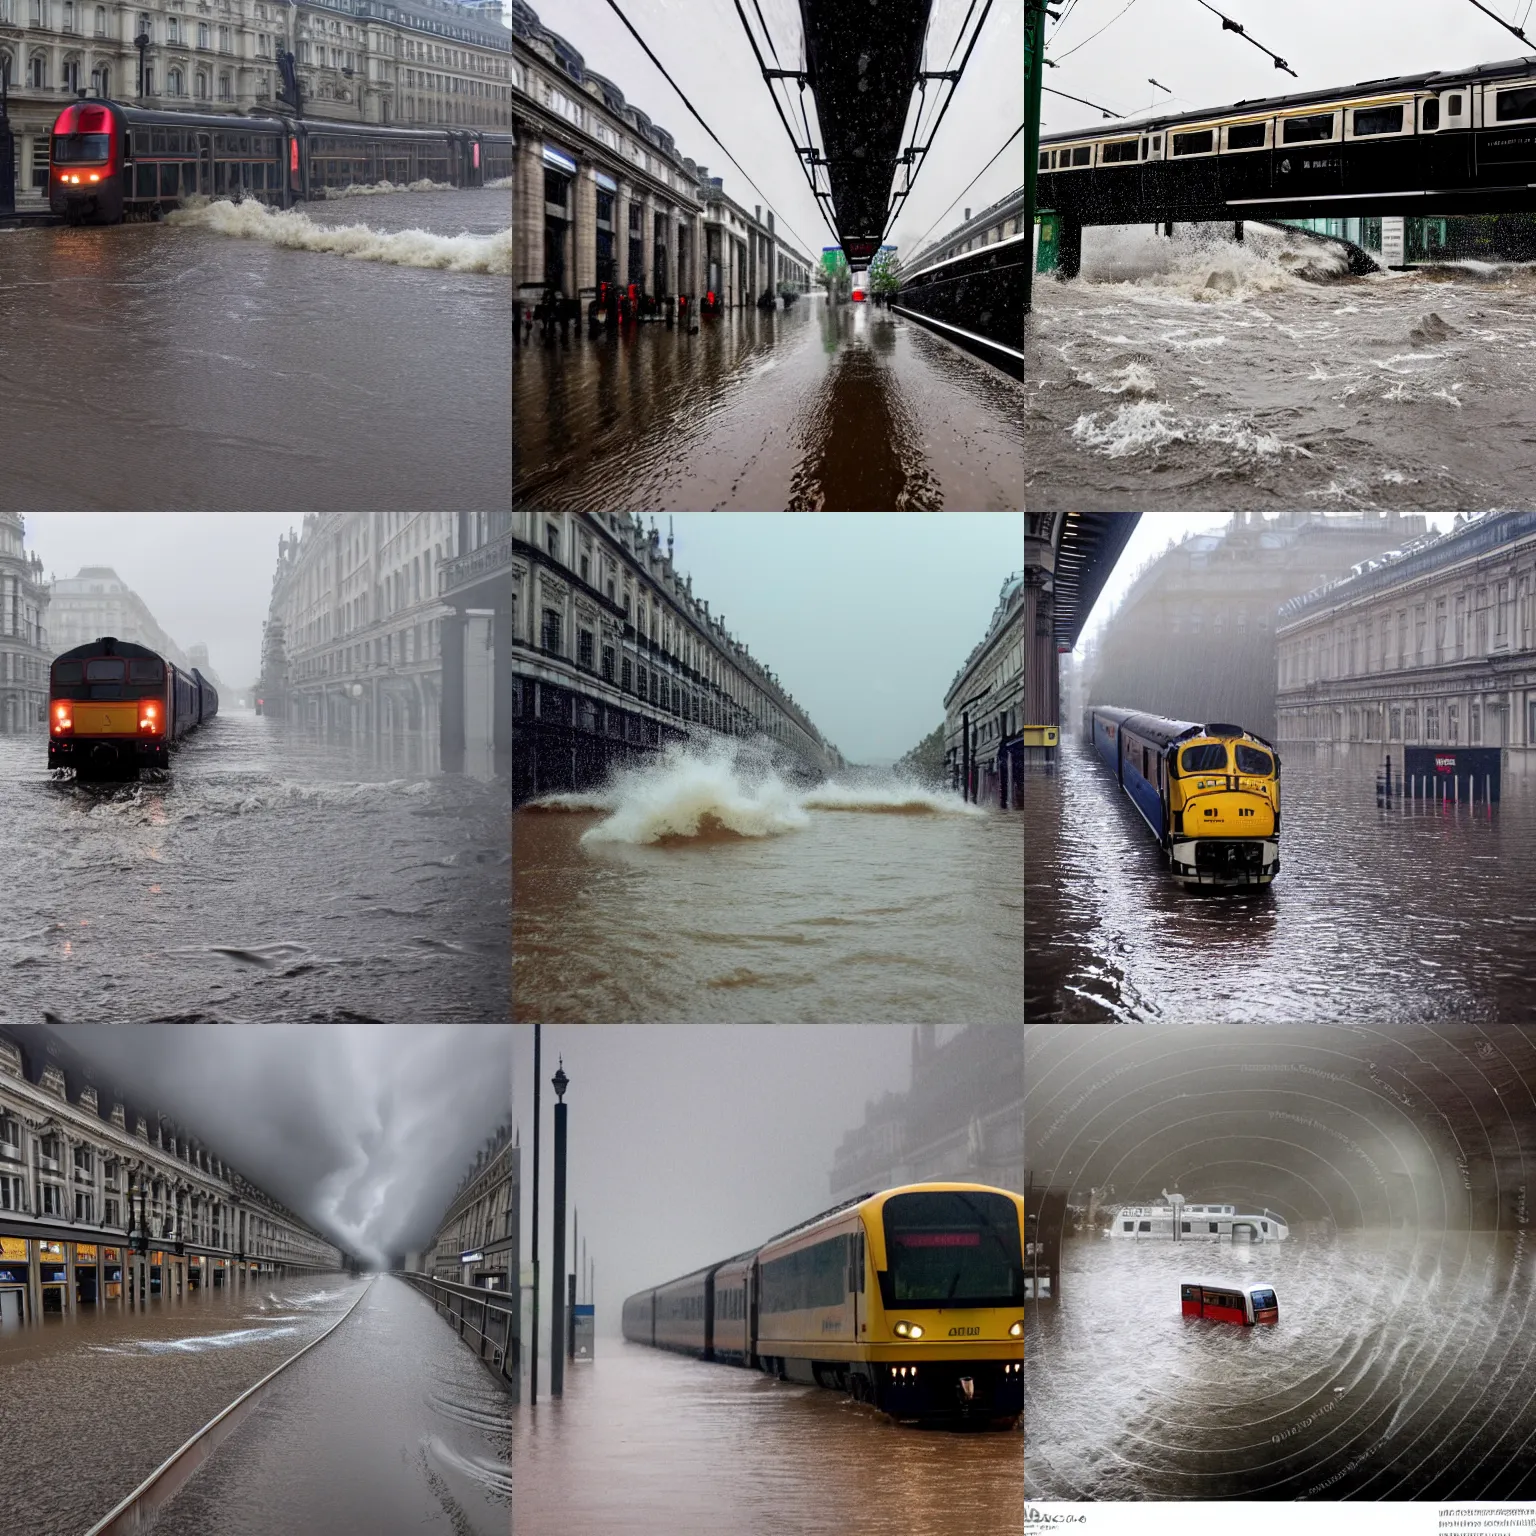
point(645, 1443)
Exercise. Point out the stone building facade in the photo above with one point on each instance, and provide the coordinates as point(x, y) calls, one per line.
point(96, 602)
point(614, 657)
point(1002, 221)
point(962, 1117)
point(1194, 636)
point(24, 652)
point(984, 709)
point(1435, 645)
point(105, 1201)
point(601, 193)
point(407, 62)
point(477, 1240)
point(363, 605)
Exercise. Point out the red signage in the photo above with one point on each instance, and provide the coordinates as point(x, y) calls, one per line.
point(1445, 765)
point(939, 1239)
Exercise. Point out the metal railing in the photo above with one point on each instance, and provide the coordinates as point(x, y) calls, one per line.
point(486, 1321)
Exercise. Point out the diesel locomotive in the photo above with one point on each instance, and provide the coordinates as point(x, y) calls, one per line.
point(911, 1300)
point(1210, 794)
point(115, 708)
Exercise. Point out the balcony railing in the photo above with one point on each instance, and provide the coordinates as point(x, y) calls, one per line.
point(474, 565)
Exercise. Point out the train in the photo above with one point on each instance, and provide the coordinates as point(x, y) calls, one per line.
point(109, 162)
point(1210, 794)
point(1444, 142)
point(116, 708)
point(975, 300)
point(910, 1300)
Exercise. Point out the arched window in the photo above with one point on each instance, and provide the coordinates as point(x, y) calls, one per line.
point(175, 83)
point(37, 72)
point(226, 86)
point(202, 85)
point(71, 81)
point(101, 80)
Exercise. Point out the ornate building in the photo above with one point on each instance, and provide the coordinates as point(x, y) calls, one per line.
point(962, 1117)
point(1434, 644)
point(1194, 637)
point(363, 604)
point(99, 602)
point(103, 1200)
point(984, 709)
point(24, 652)
point(477, 1240)
point(411, 62)
point(614, 657)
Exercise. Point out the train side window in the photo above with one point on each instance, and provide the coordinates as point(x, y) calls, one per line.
point(1431, 116)
point(1120, 150)
point(1313, 129)
point(141, 140)
point(157, 140)
point(1515, 104)
point(1247, 135)
point(1453, 105)
point(1201, 142)
point(170, 178)
point(1045, 159)
point(1146, 767)
point(1082, 154)
point(1144, 1226)
point(1375, 120)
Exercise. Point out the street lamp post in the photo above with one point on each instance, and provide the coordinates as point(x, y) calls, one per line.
point(533, 1387)
point(141, 42)
point(557, 1316)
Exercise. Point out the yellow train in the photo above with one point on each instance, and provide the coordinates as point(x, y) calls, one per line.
point(1209, 793)
point(911, 1300)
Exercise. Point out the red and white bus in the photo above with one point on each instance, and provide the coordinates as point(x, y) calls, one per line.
point(1224, 1301)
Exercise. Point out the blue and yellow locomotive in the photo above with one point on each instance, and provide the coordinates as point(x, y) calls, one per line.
point(1210, 793)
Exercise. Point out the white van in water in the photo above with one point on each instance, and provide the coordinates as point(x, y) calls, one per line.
point(1179, 1220)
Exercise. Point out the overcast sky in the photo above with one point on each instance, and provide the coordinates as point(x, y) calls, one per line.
point(1151, 538)
point(1183, 47)
point(704, 48)
point(689, 1143)
point(365, 1130)
point(864, 616)
point(204, 575)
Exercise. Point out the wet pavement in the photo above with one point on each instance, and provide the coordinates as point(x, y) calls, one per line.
point(390, 1426)
point(274, 877)
point(1196, 372)
point(646, 1443)
point(688, 892)
point(841, 408)
point(1420, 912)
point(229, 359)
point(95, 1401)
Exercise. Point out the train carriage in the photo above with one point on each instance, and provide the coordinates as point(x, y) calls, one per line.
point(911, 1300)
point(116, 708)
point(1209, 794)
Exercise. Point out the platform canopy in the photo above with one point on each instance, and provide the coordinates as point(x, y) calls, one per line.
point(1087, 545)
point(863, 61)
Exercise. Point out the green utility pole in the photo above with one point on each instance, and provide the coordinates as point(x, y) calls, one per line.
point(1034, 68)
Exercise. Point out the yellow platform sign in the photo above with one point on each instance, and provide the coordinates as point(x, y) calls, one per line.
point(1041, 735)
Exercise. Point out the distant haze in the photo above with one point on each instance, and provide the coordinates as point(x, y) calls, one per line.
point(865, 617)
point(204, 575)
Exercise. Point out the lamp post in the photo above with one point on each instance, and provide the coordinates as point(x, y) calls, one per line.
point(557, 1316)
point(533, 1390)
point(141, 42)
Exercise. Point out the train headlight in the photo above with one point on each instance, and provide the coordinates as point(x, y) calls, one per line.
point(94, 176)
point(1017, 1331)
point(63, 719)
point(149, 717)
point(909, 1330)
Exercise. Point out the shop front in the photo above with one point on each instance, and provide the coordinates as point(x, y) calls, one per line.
point(13, 1281)
point(87, 1270)
point(52, 1274)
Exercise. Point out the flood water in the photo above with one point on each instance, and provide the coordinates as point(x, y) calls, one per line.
point(815, 407)
point(688, 892)
point(646, 1443)
point(1403, 1367)
point(233, 359)
point(391, 1426)
point(275, 876)
point(96, 1400)
point(1420, 912)
point(1196, 372)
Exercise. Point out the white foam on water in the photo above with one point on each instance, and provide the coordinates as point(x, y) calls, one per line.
point(292, 229)
point(234, 1339)
point(589, 800)
point(500, 183)
point(379, 188)
point(1133, 379)
point(1146, 426)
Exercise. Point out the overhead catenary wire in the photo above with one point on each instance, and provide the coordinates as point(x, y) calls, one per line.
point(1508, 26)
point(918, 243)
point(1228, 25)
point(1102, 30)
point(1082, 102)
point(629, 26)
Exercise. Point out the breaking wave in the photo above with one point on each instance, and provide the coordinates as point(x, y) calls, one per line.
point(500, 183)
point(292, 229)
point(377, 188)
point(727, 793)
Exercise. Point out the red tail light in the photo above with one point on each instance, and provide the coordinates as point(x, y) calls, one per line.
point(63, 718)
point(149, 716)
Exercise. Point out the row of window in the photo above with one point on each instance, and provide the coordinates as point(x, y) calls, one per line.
point(817, 1276)
point(1402, 723)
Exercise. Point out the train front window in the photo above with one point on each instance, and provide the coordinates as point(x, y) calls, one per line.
point(1263, 1300)
point(952, 1248)
point(81, 148)
point(104, 669)
point(1208, 757)
point(146, 671)
point(67, 672)
point(1251, 760)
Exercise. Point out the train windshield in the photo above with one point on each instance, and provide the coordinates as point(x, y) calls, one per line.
point(68, 672)
point(104, 669)
point(148, 670)
point(1263, 1300)
point(1251, 760)
point(952, 1248)
point(1208, 757)
point(81, 148)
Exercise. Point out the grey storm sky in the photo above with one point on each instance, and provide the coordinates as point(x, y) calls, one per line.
point(1184, 47)
point(363, 1130)
point(704, 48)
point(689, 1143)
point(204, 575)
point(1151, 538)
point(864, 616)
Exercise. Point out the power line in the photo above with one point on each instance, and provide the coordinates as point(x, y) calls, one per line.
point(1228, 25)
point(1508, 26)
point(918, 243)
point(1081, 102)
point(1105, 28)
point(613, 5)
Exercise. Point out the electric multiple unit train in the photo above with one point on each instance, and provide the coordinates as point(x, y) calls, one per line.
point(115, 708)
point(1210, 794)
point(911, 1300)
point(1229, 1301)
point(108, 161)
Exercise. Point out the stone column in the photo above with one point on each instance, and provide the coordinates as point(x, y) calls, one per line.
point(527, 206)
point(451, 717)
point(501, 686)
point(646, 278)
point(584, 202)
